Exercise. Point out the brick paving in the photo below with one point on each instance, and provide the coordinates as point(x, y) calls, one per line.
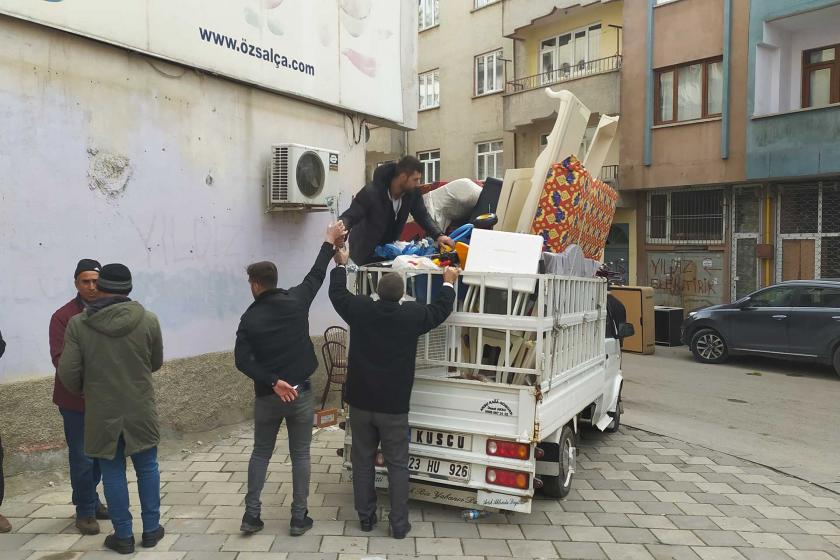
point(636, 496)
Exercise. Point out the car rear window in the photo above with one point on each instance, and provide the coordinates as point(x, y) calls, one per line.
point(820, 297)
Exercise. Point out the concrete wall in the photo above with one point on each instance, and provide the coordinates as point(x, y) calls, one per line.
point(113, 155)
point(462, 120)
point(683, 153)
point(775, 142)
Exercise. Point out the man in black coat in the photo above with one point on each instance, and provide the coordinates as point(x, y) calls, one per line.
point(274, 349)
point(380, 367)
point(379, 211)
point(5, 526)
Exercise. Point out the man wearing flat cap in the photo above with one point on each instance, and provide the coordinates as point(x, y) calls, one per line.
point(380, 375)
point(84, 471)
point(110, 352)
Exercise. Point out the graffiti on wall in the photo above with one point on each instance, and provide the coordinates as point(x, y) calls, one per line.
point(688, 280)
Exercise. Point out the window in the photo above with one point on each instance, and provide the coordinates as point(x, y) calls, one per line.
point(820, 297)
point(689, 92)
point(686, 216)
point(429, 14)
point(568, 54)
point(431, 166)
point(489, 73)
point(821, 76)
point(774, 297)
point(488, 159)
point(429, 89)
point(482, 3)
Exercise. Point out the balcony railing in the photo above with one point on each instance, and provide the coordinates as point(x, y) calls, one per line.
point(565, 73)
point(609, 173)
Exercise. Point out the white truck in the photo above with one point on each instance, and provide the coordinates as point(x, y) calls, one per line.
point(489, 444)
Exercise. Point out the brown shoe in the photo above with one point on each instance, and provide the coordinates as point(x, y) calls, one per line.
point(5, 526)
point(87, 525)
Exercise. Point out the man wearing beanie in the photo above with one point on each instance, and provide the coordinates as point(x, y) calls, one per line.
point(110, 352)
point(84, 471)
point(380, 368)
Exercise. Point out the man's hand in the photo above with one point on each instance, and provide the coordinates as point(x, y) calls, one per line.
point(450, 274)
point(286, 392)
point(342, 255)
point(335, 234)
point(445, 240)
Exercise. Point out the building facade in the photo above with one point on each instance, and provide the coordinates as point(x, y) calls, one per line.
point(683, 145)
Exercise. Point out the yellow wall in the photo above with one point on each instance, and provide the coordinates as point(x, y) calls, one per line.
point(558, 23)
point(628, 216)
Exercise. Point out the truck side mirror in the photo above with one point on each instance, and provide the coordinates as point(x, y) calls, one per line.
point(625, 330)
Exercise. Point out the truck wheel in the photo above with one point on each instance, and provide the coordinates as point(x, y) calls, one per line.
point(559, 486)
point(616, 419)
point(708, 347)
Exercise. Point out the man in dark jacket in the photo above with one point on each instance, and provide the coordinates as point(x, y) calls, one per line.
point(110, 352)
point(274, 349)
point(5, 526)
point(380, 368)
point(84, 471)
point(379, 211)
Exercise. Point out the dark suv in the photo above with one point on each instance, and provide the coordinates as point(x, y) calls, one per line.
point(798, 320)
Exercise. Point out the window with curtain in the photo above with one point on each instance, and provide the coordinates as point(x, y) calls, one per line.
point(570, 54)
point(431, 166)
point(429, 14)
point(821, 76)
point(489, 73)
point(689, 91)
point(488, 159)
point(429, 88)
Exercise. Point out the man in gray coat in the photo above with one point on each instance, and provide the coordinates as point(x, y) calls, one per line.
point(116, 343)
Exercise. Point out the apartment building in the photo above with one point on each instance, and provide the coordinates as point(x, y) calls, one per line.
point(683, 145)
point(462, 63)
point(793, 143)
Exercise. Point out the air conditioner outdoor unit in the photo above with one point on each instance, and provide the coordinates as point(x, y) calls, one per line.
point(301, 177)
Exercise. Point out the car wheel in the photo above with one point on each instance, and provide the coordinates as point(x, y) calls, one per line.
point(836, 360)
point(708, 347)
point(559, 486)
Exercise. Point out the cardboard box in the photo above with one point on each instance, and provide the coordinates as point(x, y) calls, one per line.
point(325, 418)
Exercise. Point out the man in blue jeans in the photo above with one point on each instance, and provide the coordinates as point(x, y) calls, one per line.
point(84, 471)
point(110, 352)
point(274, 349)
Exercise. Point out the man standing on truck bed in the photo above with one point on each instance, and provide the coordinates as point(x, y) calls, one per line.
point(379, 211)
point(380, 367)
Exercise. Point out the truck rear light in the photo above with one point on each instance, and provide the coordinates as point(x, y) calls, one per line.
point(508, 449)
point(380, 460)
point(504, 477)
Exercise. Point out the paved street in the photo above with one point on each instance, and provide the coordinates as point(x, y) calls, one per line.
point(638, 496)
point(780, 414)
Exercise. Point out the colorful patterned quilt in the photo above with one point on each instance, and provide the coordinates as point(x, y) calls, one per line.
point(574, 208)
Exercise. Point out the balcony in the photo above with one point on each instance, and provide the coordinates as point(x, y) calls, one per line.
point(595, 82)
point(609, 174)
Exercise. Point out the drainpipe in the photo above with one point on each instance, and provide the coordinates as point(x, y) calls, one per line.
point(647, 160)
point(727, 43)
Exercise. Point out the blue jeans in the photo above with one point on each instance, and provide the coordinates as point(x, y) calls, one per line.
point(116, 490)
point(84, 471)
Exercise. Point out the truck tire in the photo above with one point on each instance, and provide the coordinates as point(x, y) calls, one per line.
point(709, 347)
point(559, 486)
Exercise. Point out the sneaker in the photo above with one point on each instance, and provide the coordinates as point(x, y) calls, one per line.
point(251, 524)
point(87, 525)
point(400, 534)
point(151, 538)
point(123, 546)
point(5, 526)
point(298, 526)
point(102, 512)
point(369, 523)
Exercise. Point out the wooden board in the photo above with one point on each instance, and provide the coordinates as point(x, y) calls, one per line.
point(798, 259)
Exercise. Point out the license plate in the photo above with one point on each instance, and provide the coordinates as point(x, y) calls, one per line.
point(438, 468)
point(441, 439)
